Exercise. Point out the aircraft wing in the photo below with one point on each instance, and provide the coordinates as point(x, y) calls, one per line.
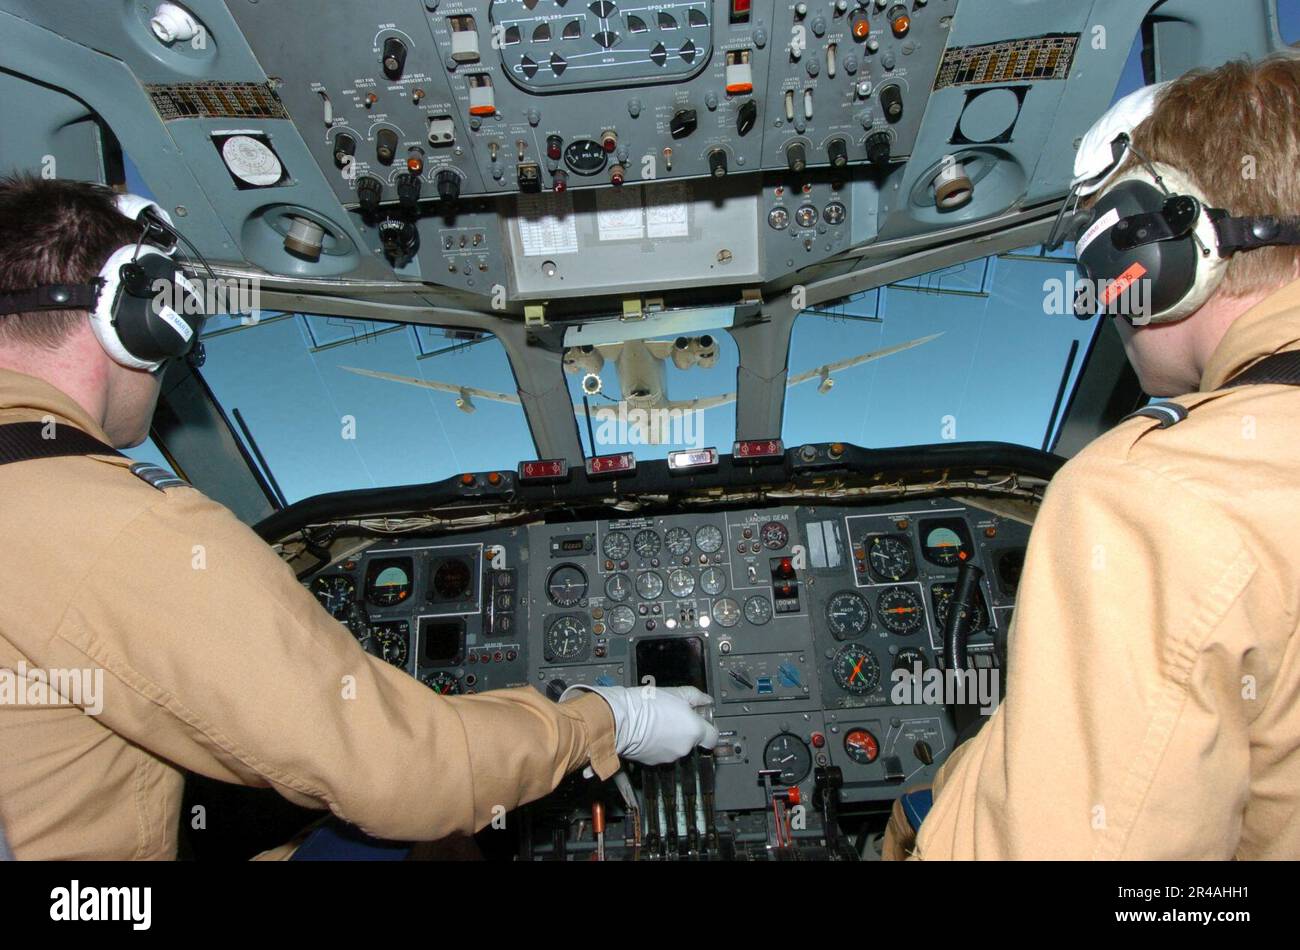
point(452, 388)
point(820, 372)
point(826, 369)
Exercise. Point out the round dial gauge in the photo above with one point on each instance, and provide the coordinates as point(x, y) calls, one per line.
point(452, 580)
point(778, 219)
point(390, 583)
point(566, 639)
point(790, 756)
point(358, 624)
point(677, 541)
point(681, 583)
point(900, 610)
point(391, 647)
point(621, 619)
point(834, 213)
point(567, 585)
point(713, 581)
point(805, 216)
point(647, 543)
point(758, 610)
point(944, 546)
point(618, 587)
point(709, 539)
point(441, 682)
point(942, 595)
point(726, 612)
point(585, 157)
point(335, 594)
point(848, 615)
point(890, 557)
point(909, 658)
point(861, 746)
point(649, 585)
point(617, 545)
point(856, 669)
point(774, 535)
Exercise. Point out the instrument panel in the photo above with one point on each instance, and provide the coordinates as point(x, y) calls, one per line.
point(481, 93)
point(794, 619)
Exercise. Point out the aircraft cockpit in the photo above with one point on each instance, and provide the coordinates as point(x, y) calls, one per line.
point(558, 345)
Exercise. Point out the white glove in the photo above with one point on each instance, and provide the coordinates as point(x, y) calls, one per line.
point(655, 725)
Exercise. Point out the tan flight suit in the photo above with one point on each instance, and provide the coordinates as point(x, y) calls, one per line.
point(217, 660)
point(1153, 704)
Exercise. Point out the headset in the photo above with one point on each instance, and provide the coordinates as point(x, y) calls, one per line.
point(143, 309)
point(1152, 249)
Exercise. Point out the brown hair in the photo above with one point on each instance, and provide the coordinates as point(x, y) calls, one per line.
point(54, 232)
point(1235, 131)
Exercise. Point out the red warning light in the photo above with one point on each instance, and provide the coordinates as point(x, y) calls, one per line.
point(759, 450)
point(604, 466)
point(543, 470)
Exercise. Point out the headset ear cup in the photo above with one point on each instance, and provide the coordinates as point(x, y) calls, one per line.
point(104, 317)
point(1211, 267)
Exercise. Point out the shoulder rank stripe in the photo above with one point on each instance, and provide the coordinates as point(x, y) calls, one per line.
point(157, 476)
point(1165, 413)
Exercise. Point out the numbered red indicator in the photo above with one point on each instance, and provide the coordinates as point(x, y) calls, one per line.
point(600, 466)
point(759, 450)
point(543, 470)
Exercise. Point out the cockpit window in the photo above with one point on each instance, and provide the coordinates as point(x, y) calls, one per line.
point(332, 403)
point(980, 351)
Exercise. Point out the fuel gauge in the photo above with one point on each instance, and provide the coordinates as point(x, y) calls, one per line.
point(861, 746)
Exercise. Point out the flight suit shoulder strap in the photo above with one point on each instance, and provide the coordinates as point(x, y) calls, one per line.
point(25, 441)
point(1280, 369)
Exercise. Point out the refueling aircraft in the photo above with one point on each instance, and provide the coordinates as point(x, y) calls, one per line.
point(641, 370)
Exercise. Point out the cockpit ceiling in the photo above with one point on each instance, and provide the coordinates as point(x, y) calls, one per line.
point(534, 160)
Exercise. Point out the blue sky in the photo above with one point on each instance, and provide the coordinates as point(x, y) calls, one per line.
point(993, 374)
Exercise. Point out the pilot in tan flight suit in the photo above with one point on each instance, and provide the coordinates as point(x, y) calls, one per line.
point(209, 655)
point(1153, 682)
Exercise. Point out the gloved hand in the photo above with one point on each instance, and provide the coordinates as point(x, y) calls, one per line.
point(655, 724)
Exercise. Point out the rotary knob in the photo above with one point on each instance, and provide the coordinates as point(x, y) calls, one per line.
point(796, 157)
point(448, 183)
point(369, 192)
point(878, 148)
point(838, 152)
